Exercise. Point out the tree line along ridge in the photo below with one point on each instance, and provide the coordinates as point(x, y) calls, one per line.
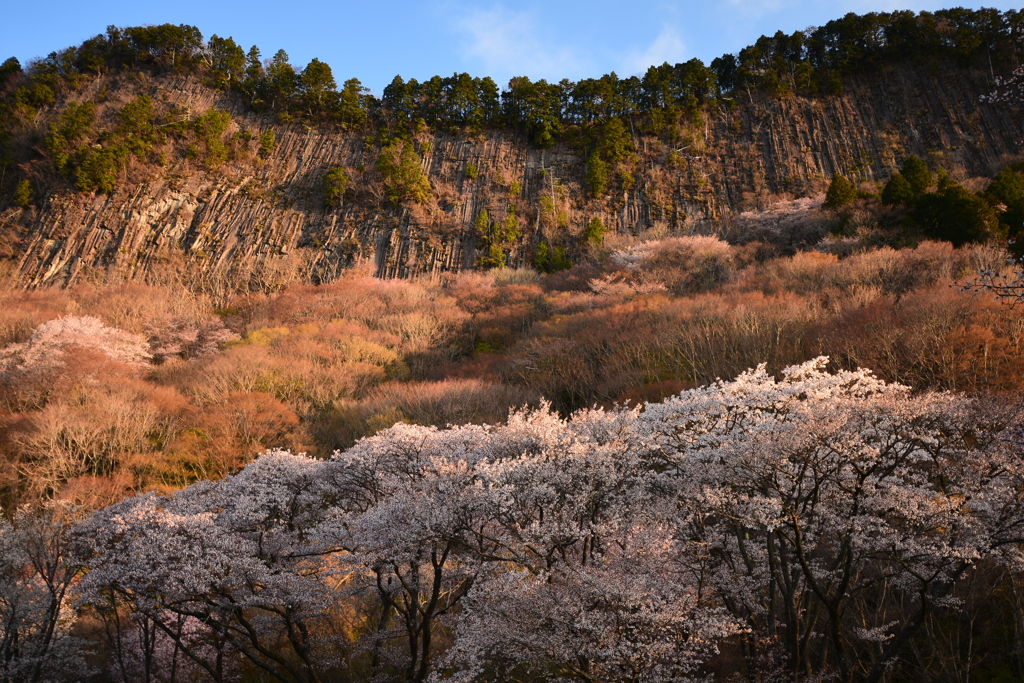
point(811, 63)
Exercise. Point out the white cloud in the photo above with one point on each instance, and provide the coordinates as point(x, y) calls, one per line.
point(667, 47)
point(507, 43)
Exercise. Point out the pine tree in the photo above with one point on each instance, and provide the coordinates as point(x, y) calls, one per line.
point(916, 172)
point(399, 167)
point(23, 193)
point(595, 231)
point(227, 61)
point(352, 106)
point(482, 222)
point(597, 175)
point(840, 193)
point(897, 191)
point(335, 183)
point(319, 90)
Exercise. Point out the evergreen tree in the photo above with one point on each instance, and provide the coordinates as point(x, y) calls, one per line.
point(916, 172)
point(897, 191)
point(493, 257)
point(8, 69)
point(490, 100)
point(1007, 189)
point(659, 88)
point(507, 232)
point(282, 82)
point(615, 143)
point(482, 223)
point(462, 100)
point(501, 238)
point(352, 108)
point(165, 45)
point(268, 141)
point(954, 214)
point(399, 167)
point(548, 259)
point(23, 194)
point(319, 90)
point(398, 99)
point(254, 83)
point(725, 68)
point(335, 183)
point(226, 60)
point(840, 193)
point(595, 231)
point(597, 175)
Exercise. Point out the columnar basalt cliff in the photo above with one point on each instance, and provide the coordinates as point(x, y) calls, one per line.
point(261, 218)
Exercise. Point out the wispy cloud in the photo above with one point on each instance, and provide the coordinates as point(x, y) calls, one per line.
point(666, 47)
point(510, 43)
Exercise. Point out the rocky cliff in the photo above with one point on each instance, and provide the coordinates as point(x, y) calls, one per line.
point(264, 221)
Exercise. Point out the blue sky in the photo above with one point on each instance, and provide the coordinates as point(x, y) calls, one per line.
point(373, 39)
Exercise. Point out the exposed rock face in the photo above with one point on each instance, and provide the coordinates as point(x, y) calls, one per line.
point(265, 220)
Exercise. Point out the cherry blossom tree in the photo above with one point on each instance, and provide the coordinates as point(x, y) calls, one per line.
point(819, 519)
point(46, 347)
point(1006, 288)
point(1009, 89)
point(581, 576)
point(143, 652)
point(232, 555)
point(64, 351)
point(841, 511)
point(185, 338)
point(37, 571)
point(637, 614)
point(406, 503)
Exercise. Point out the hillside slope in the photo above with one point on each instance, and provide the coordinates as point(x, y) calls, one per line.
point(265, 221)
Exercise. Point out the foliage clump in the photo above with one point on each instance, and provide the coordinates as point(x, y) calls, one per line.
point(403, 179)
point(595, 231)
point(841, 192)
point(499, 237)
point(551, 259)
point(23, 193)
point(336, 181)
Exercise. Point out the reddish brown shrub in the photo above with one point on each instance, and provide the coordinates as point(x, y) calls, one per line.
point(936, 337)
point(453, 401)
point(227, 434)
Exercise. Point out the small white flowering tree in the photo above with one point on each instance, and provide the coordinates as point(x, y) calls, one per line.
point(1008, 289)
point(231, 557)
point(404, 504)
point(49, 342)
point(37, 571)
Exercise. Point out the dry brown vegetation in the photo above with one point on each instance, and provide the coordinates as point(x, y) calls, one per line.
point(313, 368)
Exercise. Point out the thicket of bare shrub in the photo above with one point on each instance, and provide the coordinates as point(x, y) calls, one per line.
point(453, 401)
point(316, 367)
point(685, 265)
point(789, 224)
